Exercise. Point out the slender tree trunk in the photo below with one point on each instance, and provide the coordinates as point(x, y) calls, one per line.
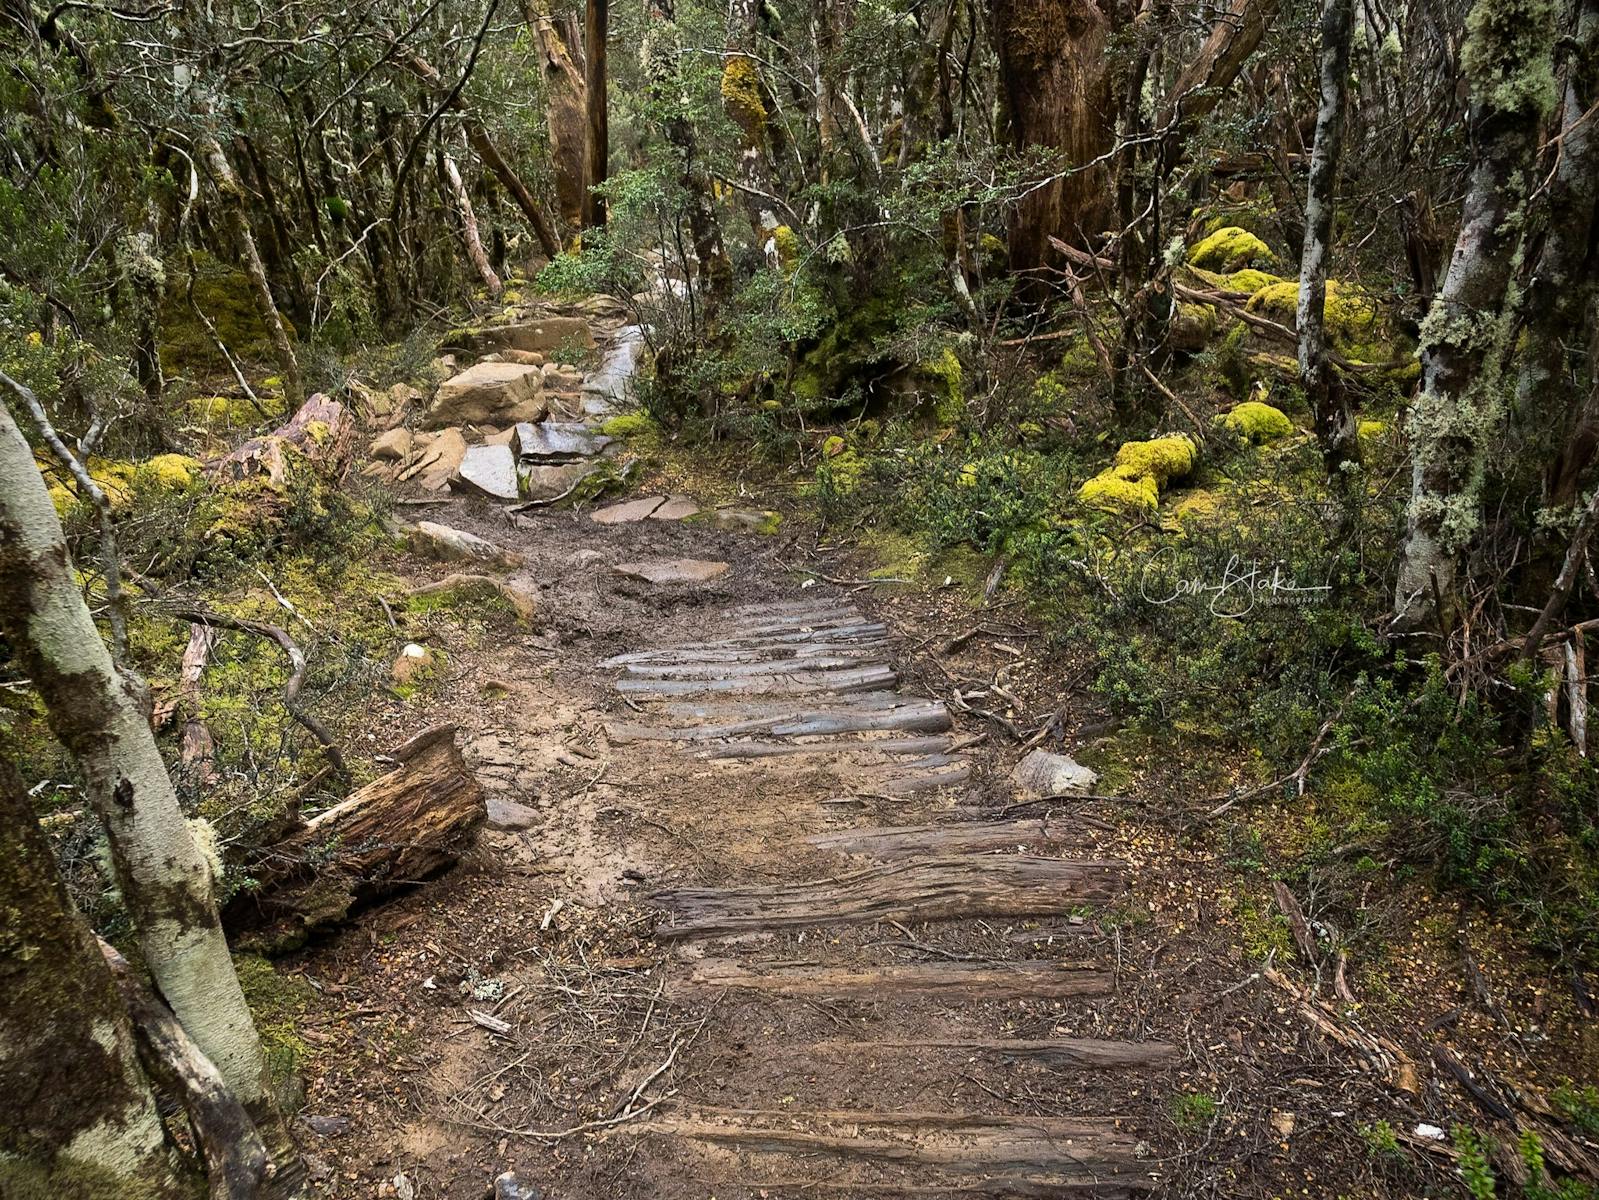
point(72, 1093)
point(742, 101)
point(1335, 422)
point(231, 194)
point(99, 714)
point(469, 230)
point(597, 144)
point(143, 276)
point(1056, 90)
point(1556, 384)
point(1467, 333)
point(565, 109)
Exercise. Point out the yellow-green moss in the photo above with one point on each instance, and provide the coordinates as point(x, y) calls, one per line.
point(1106, 490)
point(833, 446)
point(787, 243)
point(67, 1178)
point(1351, 318)
point(741, 96)
point(1250, 280)
point(1162, 459)
point(944, 369)
point(1258, 423)
point(1230, 249)
point(628, 424)
point(277, 1002)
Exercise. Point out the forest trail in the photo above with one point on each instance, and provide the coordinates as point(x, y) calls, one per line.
point(753, 916)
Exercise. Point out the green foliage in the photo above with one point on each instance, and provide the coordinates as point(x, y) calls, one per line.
point(1192, 1111)
point(1472, 1163)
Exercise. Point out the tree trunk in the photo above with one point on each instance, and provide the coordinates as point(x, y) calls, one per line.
point(1557, 385)
point(742, 101)
point(72, 1094)
point(565, 110)
point(1335, 422)
point(1466, 335)
point(231, 194)
point(1055, 86)
point(469, 230)
point(597, 144)
point(142, 278)
point(98, 713)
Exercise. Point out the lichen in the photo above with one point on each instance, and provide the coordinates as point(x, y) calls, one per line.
point(787, 245)
point(1258, 423)
point(741, 97)
point(1231, 249)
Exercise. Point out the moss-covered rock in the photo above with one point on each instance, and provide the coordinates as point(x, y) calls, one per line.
point(1140, 471)
point(1257, 423)
point(1107, 490)
point(1352, 326)
point(1231, 249)
point(629, 425)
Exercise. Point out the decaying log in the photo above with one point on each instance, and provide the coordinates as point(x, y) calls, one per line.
point(921, 890)
point(321, 430)
point(399, 829)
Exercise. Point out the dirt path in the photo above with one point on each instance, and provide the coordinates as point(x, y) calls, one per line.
point(756, 915)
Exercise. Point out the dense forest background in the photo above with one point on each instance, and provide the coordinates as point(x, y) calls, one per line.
point(1287, 312)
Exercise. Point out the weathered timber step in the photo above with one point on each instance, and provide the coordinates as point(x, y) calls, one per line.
point(813, 625)
point(1060, 1152)
point(969, 980)
point(736, 670)
point(793, 683)
point(768, 607)
point(955, 837)
point(739, 710)
point(911, 785)
point(834, 748)
point(861, 632)
point(790, 651)
point(934, 889)
point(932, 717)
point(1079, 1053)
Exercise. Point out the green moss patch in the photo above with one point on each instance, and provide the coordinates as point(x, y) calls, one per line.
point(1231, 249)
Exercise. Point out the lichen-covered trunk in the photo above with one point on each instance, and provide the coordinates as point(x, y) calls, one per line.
point(237, 220)
point(1466, 335)
point(469, 229)
point(1558, 386)
point(73, 1098)
point(745, 106)
point(660, 58)
point(565, 107)
point(1335, 420)
point(98, 713)
point(597, 142)
point(1055, 87)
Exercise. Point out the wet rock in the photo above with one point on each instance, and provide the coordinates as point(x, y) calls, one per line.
point(1043, 773)
point(488, 393)
point(488, 471)
point(608, 385)
point(556, 441)
point(673, 570)
point(559, 377)
point(540, 336)
point(528, 358)
point(512, 1186)
point(628, 511)
point(431, 540)
point(393, 445)
point(509, 815)
point(458, 590)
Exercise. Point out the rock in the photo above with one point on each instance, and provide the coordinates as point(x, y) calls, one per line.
point(326, 1126)
point(676, 508)
point(561, 378)
point(488, 471)
point(508, 814)
point(414, 663)
point(539, 336)
point(748, 520)
point(491, 358)
point(556, 441)
point(527, 358)
point(394, 445)
point(488, 393)
point(512, 1186)
point(548, 482)
point(500, 437)
point(432, 540)
point(456, 589)
point(321, 433)
point(673, 570)
point(608, 385)
point(402, 394)
point(1042, 773)
point(628, 511)
point(444, 364)
point(437, 461)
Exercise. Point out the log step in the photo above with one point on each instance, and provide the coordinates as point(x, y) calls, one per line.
point(969, 980)
point(906, 718)
point(735, 670)
point(793, 683)
point(1095, 1054)
point(955, 837)
point(948, 1149)
point(934, 889)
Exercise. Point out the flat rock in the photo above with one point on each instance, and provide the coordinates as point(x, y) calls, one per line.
point(748, 520)
point(508, 814)
point(672, 570)
point(511, 1186)
point(540, 336)
point(628, 511)
point(488, 471)
point(556, 441)
point(545, 482)
point(393, 445)
point(431, 540)
point(489, 393)
point(676, 508)
point(436, 462)
point(1042, 773)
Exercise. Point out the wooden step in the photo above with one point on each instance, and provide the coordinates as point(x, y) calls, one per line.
point(833, 747)
point(934, 889)
point(1095, 1054)
point(963, 1151)
point(735, 670)
point(971, 981)
point(793, 683)
point(910, 717)
point(954, 837)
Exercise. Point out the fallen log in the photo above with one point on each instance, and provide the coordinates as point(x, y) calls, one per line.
point(321, 431)
point(400, 829)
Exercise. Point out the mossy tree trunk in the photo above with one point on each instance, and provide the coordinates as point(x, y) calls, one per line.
point(1558, 383)
point(1466, 335)
point(77, 1117)
point(597, 142)
point(745, 105)
point(1335, 420)
point(98, 711)
point(565, 107)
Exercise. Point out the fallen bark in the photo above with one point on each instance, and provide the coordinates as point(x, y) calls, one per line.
point(399, 829)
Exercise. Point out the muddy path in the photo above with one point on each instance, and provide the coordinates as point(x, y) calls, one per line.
point(759, 912)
